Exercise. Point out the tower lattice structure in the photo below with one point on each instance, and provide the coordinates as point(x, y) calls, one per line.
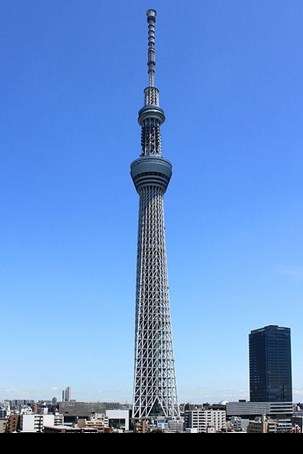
point(154, 376)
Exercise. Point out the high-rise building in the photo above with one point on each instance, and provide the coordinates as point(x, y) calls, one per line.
point(68, 394)
point(270, 364)
point(154, 376)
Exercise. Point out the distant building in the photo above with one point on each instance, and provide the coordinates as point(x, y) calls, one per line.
point(7, 406)
point(237, 424)
point(204, 419)
point(58, 419)
point(253, 409)
point(297, 420)
point(3, 412)
point(176, 425)
point(262, 425)
point(16, 404)
point(118, 419)
point(36, 422)
point(74, 410)
point(3, 425)
point(13, 423)
point(25, 410)
point(270, 364)
point(97, 421)
point(68, 394)
point(281, 412)
point(69, 429)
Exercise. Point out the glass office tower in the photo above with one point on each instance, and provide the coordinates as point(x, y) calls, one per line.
point(270, 364)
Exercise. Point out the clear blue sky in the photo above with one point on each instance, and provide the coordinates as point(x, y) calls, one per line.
point(71, 83)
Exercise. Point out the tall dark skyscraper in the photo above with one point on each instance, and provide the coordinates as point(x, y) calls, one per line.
point(270, 364)
point(154, 378)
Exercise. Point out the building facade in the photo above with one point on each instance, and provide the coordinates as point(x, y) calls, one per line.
point(204, 420)
point(118, 419)
point(253, 409)
point(13, 423)
point(36, 422)
point(262, 425)
point(154, 372)
point(270, 364)
point(3, 423)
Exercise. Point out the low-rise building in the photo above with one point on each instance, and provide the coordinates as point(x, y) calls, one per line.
point(118, 419)
point(279, 412)
point(252, 409)
point(36, 422)
point(262, 425)
point(176, 425)
point(297, 420)
point(69, 429)
point(13, 423)
point(97, 421)
point(3, 423)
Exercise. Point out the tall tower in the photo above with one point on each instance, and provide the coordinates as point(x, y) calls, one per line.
point(154, 381)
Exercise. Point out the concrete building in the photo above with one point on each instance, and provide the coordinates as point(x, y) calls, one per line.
point(69, 429)
point(58, 419)
point(13, 423)
point(252, 409)
point(118, 419)
point(176, 425)
point(98, 421)
point(263, 425)
point(36, 422)
point(84, 410)
point(7, 406)
point(3, 423)
point(26, 410)
point(297, 420)
point(16, 403)
point(237, 424)
point(205, 419)
point(280, 412)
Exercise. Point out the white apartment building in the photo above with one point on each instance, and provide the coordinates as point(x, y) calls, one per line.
point(36, 422)
point(118, 419)
point(204, 420)
point(58, 419)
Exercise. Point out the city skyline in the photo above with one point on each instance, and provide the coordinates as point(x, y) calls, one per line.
point(69, 86)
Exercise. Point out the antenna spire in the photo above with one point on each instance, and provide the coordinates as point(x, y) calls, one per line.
point(151, 62)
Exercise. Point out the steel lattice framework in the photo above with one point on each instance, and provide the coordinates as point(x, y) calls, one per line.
point(154, 381)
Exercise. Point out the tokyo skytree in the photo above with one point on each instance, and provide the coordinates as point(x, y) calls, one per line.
point(154, 376)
